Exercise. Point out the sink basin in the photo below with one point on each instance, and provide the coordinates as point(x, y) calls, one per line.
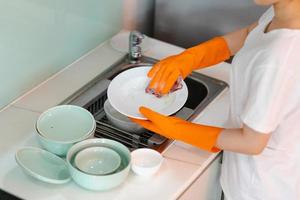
point(202, 90)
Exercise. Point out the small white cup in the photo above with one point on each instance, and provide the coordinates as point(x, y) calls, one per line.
point(145, 162)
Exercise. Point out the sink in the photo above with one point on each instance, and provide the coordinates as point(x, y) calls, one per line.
point(202, 90)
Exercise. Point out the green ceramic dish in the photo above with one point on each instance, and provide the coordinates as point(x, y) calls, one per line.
point(57, 147)
point(43, 165)
point(99, 182)
point(65, 123)
point(98, 160)
point(62, 126)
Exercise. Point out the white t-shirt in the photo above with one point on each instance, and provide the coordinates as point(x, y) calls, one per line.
point(265, 96)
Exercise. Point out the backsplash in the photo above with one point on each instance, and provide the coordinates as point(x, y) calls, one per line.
point(40, 37)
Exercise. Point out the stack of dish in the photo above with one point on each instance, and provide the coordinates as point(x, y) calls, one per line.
point(99, 164)
point(95, 164)
point(121, 121)
point(60, 127)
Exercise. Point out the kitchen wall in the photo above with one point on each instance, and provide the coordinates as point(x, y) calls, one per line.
point(139, 15)
point(40, 37)
point(189, 22)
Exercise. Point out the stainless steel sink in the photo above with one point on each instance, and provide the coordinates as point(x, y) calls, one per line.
point(202, 90)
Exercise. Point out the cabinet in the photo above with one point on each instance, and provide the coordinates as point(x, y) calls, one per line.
point(207, 186)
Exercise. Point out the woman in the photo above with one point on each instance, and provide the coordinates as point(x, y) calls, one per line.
point(262, 155)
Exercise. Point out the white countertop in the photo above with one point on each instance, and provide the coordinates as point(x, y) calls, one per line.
point(17, 129)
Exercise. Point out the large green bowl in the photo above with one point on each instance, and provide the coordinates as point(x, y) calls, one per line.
point(58, 147)
point(99, 182)
point(60, 127)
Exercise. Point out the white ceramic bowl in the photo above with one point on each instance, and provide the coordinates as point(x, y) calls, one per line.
point(62, 126)
point(145, 162)
point(121, 121)
point(98, 160)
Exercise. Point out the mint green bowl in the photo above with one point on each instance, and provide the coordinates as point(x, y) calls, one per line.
point(98, 160)
point(60, 127)
point(99, 182)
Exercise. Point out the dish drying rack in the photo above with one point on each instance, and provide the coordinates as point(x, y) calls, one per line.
point(104, 128)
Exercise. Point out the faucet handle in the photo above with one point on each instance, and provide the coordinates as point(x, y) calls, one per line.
point(136, 37)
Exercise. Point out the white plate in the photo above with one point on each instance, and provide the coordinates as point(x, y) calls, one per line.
point(120, 42)
point(126, 93)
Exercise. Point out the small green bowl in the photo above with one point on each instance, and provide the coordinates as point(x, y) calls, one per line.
point(99, 182)
point(98, 160)
point(60, 127)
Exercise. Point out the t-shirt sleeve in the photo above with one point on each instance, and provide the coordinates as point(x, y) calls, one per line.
point(264, 108)
point(267, 16)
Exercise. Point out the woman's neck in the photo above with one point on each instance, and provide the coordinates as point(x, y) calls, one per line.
point(287, 14)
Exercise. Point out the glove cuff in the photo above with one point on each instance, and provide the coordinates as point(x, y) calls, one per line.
point(209, 53)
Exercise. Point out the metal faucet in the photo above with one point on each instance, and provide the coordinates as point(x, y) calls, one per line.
point(135, 51)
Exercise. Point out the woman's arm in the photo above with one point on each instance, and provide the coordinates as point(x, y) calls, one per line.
point(245, 140)
point(235, 40)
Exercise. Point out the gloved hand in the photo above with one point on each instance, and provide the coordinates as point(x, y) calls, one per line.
point(204, 137)
point(165, 73)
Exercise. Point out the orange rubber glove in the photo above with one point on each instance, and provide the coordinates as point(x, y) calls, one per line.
point(204, 137)
point(165, 73)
